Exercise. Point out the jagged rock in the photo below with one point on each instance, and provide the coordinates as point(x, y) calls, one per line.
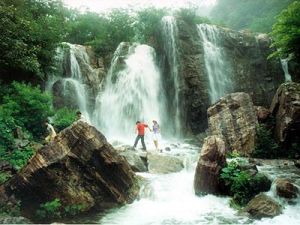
point(286, 110)
point(78, 167)
point(233, 118)
point(161, 164)
point(263, 206)
point(285, 188)
point(262, 113)
point(212, 160)
point(135, 161)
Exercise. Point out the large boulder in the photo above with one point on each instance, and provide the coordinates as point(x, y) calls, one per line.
point(162, 164)
point(78, 167)
point(263, 206)
point(135, 161)
point(285, 188)
point(286, 110)
point(212, 160)
point(233, 118)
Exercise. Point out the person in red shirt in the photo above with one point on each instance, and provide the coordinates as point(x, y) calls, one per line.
point(140, 128)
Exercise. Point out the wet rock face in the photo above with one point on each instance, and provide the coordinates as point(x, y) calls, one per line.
point(194, 79)
point(286, 110)
point(212, 160)
point(263, 206)
point(78, 167)
point(285, 188)
point(251, 72)
point(233, 118)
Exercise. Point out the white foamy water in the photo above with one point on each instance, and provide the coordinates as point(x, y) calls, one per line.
point(130, 94)
point(285, 68)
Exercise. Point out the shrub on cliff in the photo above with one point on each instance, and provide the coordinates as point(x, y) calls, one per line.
point(241, 185)
point(63, 118)
point(265, 146)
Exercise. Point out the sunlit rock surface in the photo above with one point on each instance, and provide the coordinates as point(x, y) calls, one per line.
point(212, 160)
point(233, 118)
point(161, 163)
point(78, 167)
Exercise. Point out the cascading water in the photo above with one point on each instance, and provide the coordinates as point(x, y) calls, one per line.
point(285, 67)
point(217, 67)
point(73, 88)
point(131, 93)
point(170, 35)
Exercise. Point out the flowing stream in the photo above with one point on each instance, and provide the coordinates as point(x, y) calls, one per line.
point(217, 68)
point(132, 91)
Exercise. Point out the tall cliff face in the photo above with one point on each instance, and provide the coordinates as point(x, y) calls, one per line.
point(247, 68)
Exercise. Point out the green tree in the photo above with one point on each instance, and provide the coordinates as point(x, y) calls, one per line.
point(30, 31)
point(147, 24)
point(256, 15)
point(28, 106)
point(286, 32)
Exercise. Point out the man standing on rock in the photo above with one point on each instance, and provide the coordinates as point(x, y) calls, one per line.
point(140, 128)
point(51, 132)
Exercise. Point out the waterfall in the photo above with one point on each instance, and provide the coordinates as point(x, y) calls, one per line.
point(131, 93)
point(217, 68)
point(285, 67)
point(71, 81)
point(169, 36)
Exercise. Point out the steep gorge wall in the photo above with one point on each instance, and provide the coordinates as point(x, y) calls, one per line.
point(251, 72)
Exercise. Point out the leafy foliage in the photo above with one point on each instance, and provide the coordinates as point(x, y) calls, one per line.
point(147, 24)
point(55, 210)
point(28, 106)
point(4, 177)
point(29, 34)
point(49, 210)
point(19, 157)
point(265, 147)
point(190, 16)
point(103, 32)
point(286, 32)
point(257, 15)
point(63, 118)
point(7, 126)
point(243, 187)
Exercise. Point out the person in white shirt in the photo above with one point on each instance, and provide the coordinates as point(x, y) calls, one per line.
point(51, 132)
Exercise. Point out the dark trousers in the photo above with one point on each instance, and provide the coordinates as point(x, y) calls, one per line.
point(137, 140)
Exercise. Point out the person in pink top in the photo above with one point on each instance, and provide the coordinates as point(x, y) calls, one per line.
point(140, 128)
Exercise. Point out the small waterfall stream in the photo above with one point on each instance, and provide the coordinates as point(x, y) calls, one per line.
point(73, 89)
point(170, 37)
point(285, 68)
point(217, 67)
